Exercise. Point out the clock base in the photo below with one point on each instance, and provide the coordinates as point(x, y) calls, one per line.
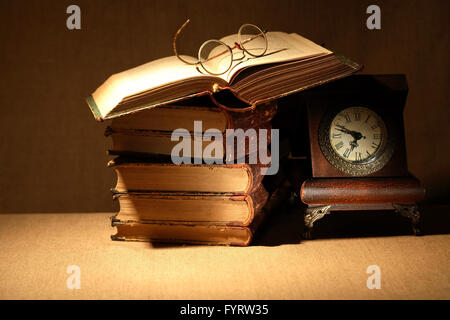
point(324, 195)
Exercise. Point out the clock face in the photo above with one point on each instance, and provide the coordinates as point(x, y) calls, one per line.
point(355, 140)
point(357, 134)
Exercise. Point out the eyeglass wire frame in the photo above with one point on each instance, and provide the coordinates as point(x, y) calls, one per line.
point(229, 49)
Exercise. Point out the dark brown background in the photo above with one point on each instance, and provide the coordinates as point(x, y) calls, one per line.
point(53, 152)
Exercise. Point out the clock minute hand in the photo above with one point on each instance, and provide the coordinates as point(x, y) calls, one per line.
point(343, 129)
point(356, 135)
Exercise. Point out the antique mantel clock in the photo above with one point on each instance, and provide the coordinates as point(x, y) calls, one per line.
point(357, 145)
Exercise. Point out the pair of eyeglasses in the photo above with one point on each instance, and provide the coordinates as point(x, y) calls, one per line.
point(216, 57)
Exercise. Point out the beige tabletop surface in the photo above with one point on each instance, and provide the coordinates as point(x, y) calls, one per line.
point(37, 249)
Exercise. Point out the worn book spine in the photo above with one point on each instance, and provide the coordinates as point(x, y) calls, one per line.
point(183, 234)
point(254, 200)
point(141, 142)
point(254, 171)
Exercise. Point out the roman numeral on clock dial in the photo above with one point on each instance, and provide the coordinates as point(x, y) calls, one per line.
point(347, 153)
point(347, 118)
point(339, 145)
point(377, 136)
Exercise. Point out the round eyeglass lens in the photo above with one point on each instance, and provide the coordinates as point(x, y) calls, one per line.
point(215, 57)
point(252, 39)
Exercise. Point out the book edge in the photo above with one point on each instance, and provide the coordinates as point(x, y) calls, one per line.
point(94, 108)
point(247, 198)
point(244, 242)
point(319, 83)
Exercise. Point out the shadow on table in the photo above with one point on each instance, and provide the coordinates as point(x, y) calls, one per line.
point(288, 227)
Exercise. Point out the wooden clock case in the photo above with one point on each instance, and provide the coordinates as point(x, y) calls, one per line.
point(390, 188)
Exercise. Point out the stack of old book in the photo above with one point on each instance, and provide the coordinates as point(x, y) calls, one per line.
point(192, 202)
point(199, 202)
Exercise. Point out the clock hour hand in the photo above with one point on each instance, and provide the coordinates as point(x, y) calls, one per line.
point(354, 144)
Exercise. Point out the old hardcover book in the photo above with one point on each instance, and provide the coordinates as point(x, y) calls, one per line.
point(290, 64)
point(180, 233)
point(191, 208)
point(221, 112)
point(143, 175)
point(150, 131)
point(152, 142)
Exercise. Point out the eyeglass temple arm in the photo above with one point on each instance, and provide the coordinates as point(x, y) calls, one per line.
point(254, 37)
point(175, 40)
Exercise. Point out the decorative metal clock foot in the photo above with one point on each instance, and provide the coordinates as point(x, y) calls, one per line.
point(410, 211)
point(312, 215)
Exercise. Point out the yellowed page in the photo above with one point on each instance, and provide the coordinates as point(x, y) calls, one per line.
point(282, 47)
point(150, 75)
point(304, 44)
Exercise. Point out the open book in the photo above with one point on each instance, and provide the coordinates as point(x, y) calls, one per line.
point(290, 64)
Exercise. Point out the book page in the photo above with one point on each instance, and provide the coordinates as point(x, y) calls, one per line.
point(150, 75)
point(282, 47)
